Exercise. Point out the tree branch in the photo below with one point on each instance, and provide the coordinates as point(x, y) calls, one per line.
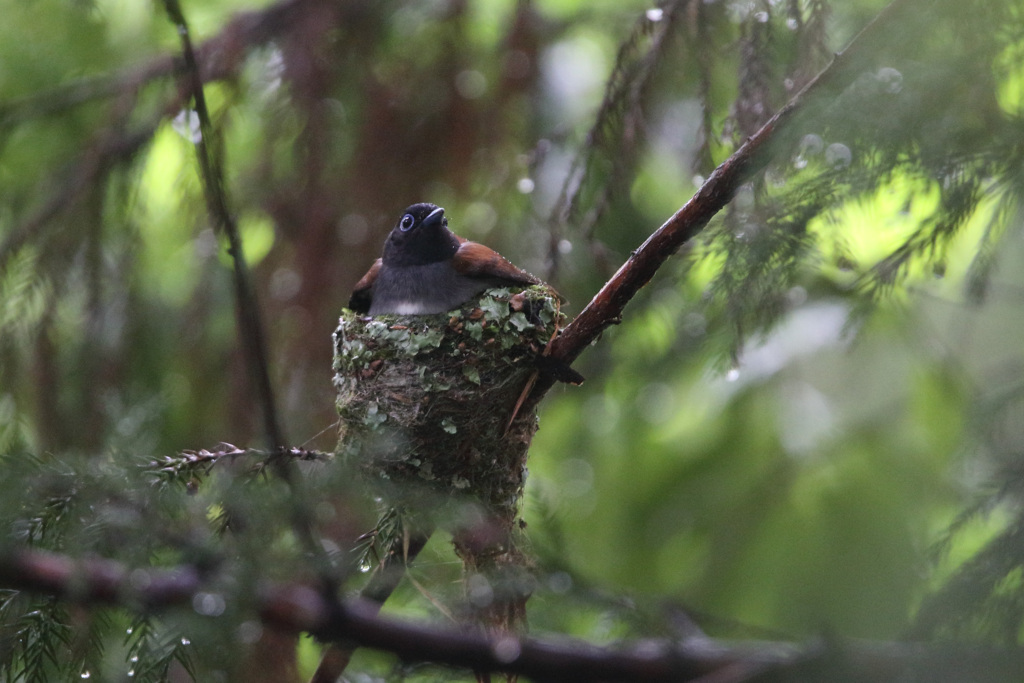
point(188, 461)
point(297, 608)
point(250, 325)
point(605, 309)
point(251, 331)
point(385, 580)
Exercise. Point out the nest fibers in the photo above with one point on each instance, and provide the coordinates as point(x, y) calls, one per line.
point(425, 401)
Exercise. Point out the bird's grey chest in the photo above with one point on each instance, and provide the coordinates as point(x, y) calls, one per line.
point(421, 290)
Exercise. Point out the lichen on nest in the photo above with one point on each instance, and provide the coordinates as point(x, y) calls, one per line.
point(425, 401)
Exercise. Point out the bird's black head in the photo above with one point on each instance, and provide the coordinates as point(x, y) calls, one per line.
point(421, 236)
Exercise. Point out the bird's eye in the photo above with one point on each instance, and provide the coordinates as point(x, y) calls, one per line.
point(407, 221)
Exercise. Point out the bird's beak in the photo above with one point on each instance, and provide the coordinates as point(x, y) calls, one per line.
point(433, 218)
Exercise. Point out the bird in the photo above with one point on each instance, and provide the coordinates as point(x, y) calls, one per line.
point(426, 268)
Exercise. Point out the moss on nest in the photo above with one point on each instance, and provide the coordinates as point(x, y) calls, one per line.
point(425, 401)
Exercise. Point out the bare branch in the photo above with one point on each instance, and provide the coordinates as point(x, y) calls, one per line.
point(97, 581)
point(250, 325)
point(297, 608)
point(385, 580)
point(251, 331)
point(605, 309)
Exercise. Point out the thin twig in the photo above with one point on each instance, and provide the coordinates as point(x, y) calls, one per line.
point(250, 325)
point(251, 329)
point(191, 459)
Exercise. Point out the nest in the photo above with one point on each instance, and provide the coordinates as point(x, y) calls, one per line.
point(425, 402)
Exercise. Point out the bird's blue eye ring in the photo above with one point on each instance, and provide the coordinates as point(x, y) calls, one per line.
point(407, 222)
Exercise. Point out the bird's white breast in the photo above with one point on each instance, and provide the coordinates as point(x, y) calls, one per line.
point(410, 308)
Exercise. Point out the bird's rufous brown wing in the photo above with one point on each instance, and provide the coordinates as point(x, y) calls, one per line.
point(477, 260)
point(361, 293)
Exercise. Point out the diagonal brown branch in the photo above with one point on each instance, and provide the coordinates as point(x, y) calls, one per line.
point(605, 309)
